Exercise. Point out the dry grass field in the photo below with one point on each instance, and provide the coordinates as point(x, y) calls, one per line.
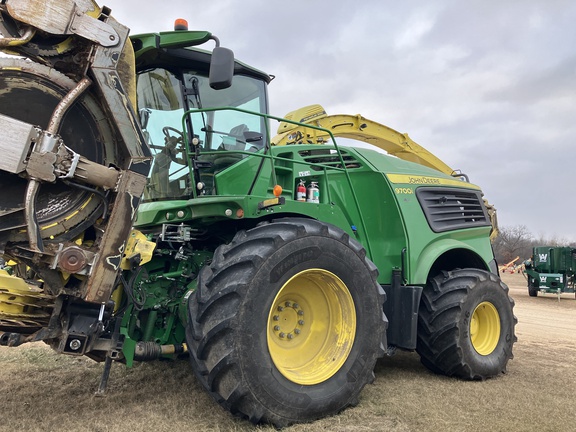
point(42, 391)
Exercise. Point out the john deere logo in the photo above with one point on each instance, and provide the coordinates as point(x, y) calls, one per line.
point(543, 279)
point(543, 257)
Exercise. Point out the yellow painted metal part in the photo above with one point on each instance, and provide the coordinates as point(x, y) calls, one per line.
point(127, 72)
point(21, 41)
point(116, 296)
point(137, 243)
point(311, 327)
point(358, 128)
point(418, 180)
point(22, 305)
point(485, 328)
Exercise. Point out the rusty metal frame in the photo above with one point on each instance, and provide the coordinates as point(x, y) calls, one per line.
point(100, 69)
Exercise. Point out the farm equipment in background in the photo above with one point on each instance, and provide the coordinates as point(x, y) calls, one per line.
point(506, 266)
point(145, 214)
point(518, 269)
point(551, 270)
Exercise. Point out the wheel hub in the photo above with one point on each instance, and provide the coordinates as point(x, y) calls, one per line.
point(485, 328)
point(311, 327)
point(289, 319)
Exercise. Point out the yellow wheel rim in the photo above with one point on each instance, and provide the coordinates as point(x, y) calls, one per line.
point(311, 327)
point(485, 328)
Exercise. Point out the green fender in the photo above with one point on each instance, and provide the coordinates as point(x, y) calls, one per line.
point(430, 254)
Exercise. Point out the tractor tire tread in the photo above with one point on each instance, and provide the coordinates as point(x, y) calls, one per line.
point(214, 312)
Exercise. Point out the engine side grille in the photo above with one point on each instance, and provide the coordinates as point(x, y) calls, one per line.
point(450, 209)
point(329, 158)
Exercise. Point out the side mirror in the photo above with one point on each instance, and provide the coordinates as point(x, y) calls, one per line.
point(221, 68)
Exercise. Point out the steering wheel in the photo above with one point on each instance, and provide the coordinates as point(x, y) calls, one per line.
point(167, 129)
point(173, 142)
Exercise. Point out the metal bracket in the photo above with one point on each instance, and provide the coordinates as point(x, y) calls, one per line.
point(73, 259)
point(41, 166)
point(63, 17)
point(176, 233)
point(17, 140)
point(67, 162)
point(93, 29)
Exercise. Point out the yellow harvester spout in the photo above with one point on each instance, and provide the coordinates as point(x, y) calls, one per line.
point(362, 129)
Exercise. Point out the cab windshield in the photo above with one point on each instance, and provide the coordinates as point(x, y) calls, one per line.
point(164, 96)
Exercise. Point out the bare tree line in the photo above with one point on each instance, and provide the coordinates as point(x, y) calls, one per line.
point(518, 241)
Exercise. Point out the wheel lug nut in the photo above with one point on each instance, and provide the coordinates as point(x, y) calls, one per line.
point(276, 318)
point(276, 328)
point(282, 334)
point(287, 304)
point(280, 308)
point(290, 335)
point(301, 322)
point(300, 312)
point(295, 306)
point(297, 331)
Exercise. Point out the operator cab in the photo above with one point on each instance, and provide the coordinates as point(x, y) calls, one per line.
point(191, 146)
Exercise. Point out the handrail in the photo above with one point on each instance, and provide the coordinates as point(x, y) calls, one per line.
point(274, 158)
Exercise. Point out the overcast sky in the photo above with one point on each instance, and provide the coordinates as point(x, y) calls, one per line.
point(488, 86)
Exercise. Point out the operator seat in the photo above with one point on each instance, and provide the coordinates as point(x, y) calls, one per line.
point(239, 138)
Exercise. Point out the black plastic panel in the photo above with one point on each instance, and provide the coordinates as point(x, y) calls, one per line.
point(450, 209)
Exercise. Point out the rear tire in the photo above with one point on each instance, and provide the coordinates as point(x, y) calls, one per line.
point(287, 322)
point(532, 290)
point(466, 325)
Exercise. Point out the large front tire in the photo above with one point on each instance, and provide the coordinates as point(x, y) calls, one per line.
point(466, 325)
point(287, 322)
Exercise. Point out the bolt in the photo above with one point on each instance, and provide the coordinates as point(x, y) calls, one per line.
point(280, 308)
point(282, 334)
point(295, 305)
point(290, 335)
point(112, 37)
point(276, 328)
point(301, 322)
point(297, 331)
point(276, 318)
point(75, 344)
point(287, 304)
point(300, 312)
